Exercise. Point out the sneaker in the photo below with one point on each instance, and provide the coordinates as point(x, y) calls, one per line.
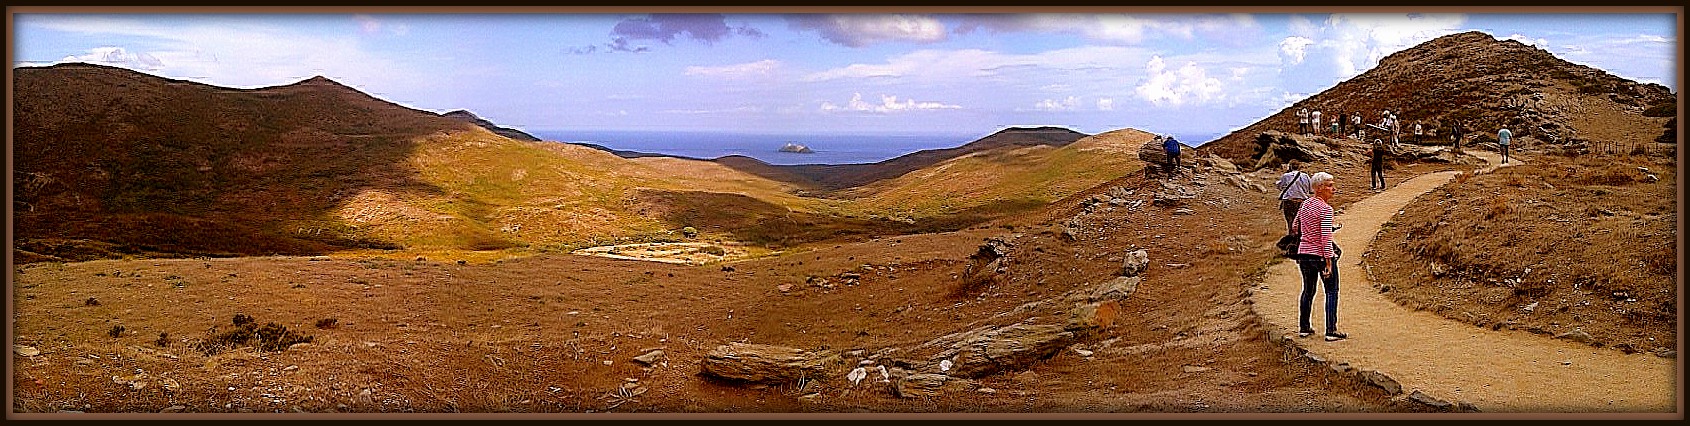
point(1335, 336)
point(1304, 333)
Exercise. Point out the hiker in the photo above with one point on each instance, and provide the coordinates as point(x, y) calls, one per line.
point(1378, 171)
point(1355, 121)
point(1171, 146)
point(1293, 189)
point(1314, 121)
point(1303, 121)
point(1317, 257)
point(1417, 132)
point(1455, 133)
point(1338, 125)
point(1502, 138)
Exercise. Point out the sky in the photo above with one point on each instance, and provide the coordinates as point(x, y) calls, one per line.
point(1195, 74)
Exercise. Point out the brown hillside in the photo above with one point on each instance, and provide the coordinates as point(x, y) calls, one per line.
point(841, 176)
point(1487, 83)
point(146, 164)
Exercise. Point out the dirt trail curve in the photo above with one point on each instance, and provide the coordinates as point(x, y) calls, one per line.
point(1494, 370)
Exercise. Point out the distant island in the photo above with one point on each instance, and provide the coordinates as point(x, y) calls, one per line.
point(792, 147)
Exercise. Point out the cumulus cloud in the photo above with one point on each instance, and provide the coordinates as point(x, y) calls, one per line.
point(1345, 45)
point(1106, 104)
point(853, 30)
point(1293, 49)
point(1068, 104)
point(888, 104)
point(1189, 84)
point(1119, 28)
point(749, 69)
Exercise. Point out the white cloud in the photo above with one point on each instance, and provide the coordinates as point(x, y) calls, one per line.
point(888, 104)
point(858, 30)
point(1189, 84)
point(369, 23)
point(1294, 49)
point(1068, 104)
point(119, 57)
point(1117, 28)
point(1536, 42)
point(749, 69)
point(1106, 104)
point(1239, 73)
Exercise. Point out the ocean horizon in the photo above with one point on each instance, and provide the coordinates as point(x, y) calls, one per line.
point(829, 148)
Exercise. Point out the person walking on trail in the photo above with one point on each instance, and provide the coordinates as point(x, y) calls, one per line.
point(1171, 147)
point(1376, 177)
point(1455, 132)
point(1502, 138)
point(1294, 187)
point(1317, 257)
point(1303, 121)
point(1314, 122)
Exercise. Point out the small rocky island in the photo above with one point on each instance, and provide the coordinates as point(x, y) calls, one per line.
point(796, 148)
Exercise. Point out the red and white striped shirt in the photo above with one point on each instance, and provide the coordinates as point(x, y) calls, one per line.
point(1314, 220)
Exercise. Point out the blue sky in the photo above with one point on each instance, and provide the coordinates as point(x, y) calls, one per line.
point(1185, 74)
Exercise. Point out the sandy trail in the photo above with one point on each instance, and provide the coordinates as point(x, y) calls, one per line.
point(1494, 370)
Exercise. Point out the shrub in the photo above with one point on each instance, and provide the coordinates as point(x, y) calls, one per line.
point(1667, 109)
point(327, 323)
point(689, 232)
point(271, 337)
point(713, 250)
point(116, 331)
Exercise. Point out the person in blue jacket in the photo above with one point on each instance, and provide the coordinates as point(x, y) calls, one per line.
point(1171, 146)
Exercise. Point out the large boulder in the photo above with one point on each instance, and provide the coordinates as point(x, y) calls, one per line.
point(769, 364)
point(1135, 263)
point(1008, 348)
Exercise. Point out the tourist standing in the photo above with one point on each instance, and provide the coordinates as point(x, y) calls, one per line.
point(1502, 138)
point(1303, 121)
point(1417, 132)
point(1294, 187)
point(1317, 257)
point(1355, 121)
point(1376, 178)
point(1455, 132)
point(1314, 121)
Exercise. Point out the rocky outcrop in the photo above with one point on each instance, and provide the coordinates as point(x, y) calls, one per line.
point(769, 364)
point(928, 384)
point(1135, 263)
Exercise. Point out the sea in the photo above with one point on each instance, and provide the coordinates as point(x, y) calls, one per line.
point(829, 148)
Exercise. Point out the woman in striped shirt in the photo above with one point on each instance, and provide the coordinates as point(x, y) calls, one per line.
point(1317, 256)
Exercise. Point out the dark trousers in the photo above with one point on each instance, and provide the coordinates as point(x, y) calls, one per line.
point(1505, 153)
point(1289, 207)
point(1173, 161)
point(1313, 267)
point(1377, 177)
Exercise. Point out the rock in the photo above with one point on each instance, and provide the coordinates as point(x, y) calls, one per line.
point(1135, 263)
point(173, 409)
point(85, 362)
point(169, 384)
point(856, 375)
point(1423, 398)
point(1008, 348)
point(290, 368)
point(25, 351)
point(1577, 336)
point(1118, 288)
point(766, 363)
point(1382, 381)
point(1193, 368)
point(986, 390)
point(1087, 316)
point(1221, 164)
point(927, 384)
point(609, 362)
point(784, 288)
point(650, 358)
point(1184, 211)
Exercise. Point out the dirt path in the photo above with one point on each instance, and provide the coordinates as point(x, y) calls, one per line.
point(1494, 370)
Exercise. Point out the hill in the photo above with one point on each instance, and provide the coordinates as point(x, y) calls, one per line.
point(1487, 84)
point(496, 129)
point(116, 163)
